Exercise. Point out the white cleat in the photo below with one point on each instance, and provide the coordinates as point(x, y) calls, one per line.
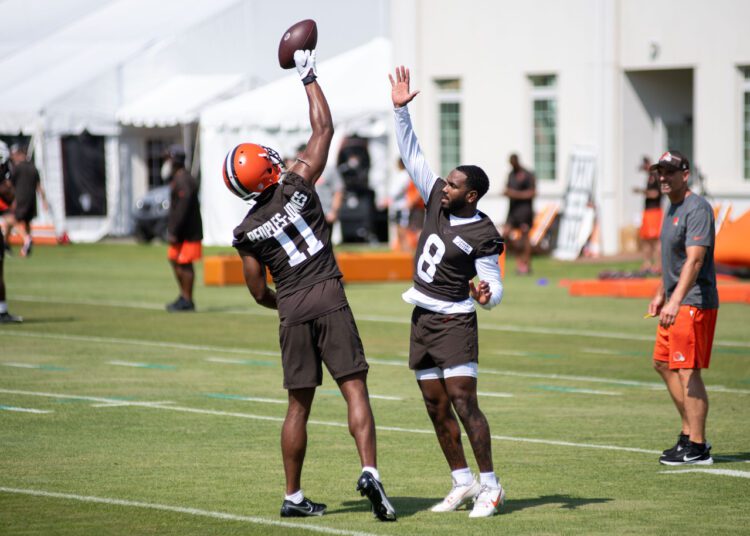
point(459, 495)
point(488, 502)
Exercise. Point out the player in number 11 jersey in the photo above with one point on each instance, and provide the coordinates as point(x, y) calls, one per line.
point(457, 243)
point(285, 230)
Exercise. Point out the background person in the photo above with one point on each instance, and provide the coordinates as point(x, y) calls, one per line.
point(286, 231)
point(398, 206)
point(520, 190)
point(184, 227)
point(651, 219)
point(6, 196)
point(687, 303)
point(27, 183)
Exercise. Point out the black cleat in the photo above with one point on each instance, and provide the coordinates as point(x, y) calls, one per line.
point(304, 509)
point(368, 486)
point(683, 442)
point(693, 454)
point(7, 318)
point(180, 305)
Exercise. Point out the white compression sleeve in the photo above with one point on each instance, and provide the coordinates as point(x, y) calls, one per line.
point(489, 270)
point(411, 154)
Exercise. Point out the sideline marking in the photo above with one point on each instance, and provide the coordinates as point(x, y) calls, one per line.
point(251, 362)
point(123, 403)
point(565, 332)
point(495, 395)
point(32, 366)
point(141, 365)
point(182, 510)
point(723, 472)
point(333, 424)
point(24, 410)
point(156, 405)
point(591, 379)
point(561, 389)
point(196, 347)
point(246, 398)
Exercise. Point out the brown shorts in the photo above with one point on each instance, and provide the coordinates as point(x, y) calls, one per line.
point(442, 340)
point(332, 339)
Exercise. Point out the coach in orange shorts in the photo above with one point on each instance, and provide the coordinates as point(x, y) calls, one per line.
point(184, 226)
point(686, 303)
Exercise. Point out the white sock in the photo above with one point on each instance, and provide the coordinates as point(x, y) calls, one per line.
point(3, 307)
point(295, 497)
point(463, 477)
point(489, 479)
point(372, 471)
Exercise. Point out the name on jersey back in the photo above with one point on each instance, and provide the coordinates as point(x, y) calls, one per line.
point(280, 220)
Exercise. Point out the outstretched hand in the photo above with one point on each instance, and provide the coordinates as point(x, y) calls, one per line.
point(400, 94)
point(481, 293)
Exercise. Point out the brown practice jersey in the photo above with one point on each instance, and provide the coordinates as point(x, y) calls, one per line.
point(444, 262)
point(288, 233)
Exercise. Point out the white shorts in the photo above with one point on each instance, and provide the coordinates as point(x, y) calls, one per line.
point(436, 373)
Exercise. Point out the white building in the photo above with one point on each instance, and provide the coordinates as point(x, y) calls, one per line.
point(621, 78)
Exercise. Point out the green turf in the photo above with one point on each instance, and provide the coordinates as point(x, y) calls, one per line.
point(204, 446)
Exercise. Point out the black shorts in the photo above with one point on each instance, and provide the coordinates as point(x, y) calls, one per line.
point(2, 247)
point(442, 340)
point(332, 339)
point(519, 217)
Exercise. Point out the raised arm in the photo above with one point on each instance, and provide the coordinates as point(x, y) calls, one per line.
point(408, 145)
point(309, 165)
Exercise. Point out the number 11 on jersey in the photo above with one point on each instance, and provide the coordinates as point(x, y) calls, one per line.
point(295, 255)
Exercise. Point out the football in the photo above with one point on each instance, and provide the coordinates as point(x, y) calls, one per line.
point(301, 36)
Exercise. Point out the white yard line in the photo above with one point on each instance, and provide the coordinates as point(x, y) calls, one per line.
point(21, 365)
point(23, 410)
point(323, 423)
point(564, 332)
point(155, 405)
point(386, 397)
point(495, 395)
point(245, 351)
point(182, 510)
point(722, 472)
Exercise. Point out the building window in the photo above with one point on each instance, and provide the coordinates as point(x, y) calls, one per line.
point(544, 113)
point(746, 122)
point(449, 99)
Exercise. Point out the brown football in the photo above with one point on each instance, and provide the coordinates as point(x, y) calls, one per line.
point(301, 36)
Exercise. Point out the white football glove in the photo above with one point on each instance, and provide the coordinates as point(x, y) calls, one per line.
point(305, 62)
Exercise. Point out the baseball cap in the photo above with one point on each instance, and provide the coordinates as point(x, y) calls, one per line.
point(672, 161)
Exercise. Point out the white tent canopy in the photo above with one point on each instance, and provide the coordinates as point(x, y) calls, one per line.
point(178, 101)
point(356, 86)
point(39, 74)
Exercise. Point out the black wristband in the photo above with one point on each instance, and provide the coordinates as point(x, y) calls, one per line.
point(310, 78)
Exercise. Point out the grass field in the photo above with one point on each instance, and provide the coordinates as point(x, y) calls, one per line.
point(169, 424)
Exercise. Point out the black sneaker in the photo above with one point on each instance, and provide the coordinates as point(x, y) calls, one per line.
point(180, 305)
point(381, 506)
point(7, 318)
point(693, 454)
point(683, 442)
point(304, 509)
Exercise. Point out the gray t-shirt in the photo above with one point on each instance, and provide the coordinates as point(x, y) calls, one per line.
point(690, 223)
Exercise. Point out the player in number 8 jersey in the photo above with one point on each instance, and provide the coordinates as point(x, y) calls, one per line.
point(285, 231)
point(457, 243)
